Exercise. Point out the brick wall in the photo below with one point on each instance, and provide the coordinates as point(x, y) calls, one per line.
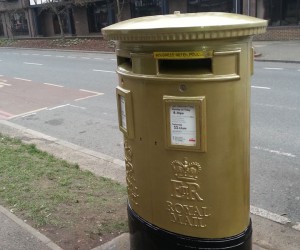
point(280, 34)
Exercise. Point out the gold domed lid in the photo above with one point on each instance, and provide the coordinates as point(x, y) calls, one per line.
point(185, 27)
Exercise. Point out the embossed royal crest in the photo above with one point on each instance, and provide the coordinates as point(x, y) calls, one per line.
point(185, 170)
point(130, 175)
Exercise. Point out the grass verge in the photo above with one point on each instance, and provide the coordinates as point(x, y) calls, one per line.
point(74, 208)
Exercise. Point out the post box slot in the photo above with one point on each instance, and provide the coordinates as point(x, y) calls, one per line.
point(124, 63)
point(183, 66)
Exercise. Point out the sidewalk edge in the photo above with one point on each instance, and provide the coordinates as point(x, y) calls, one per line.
point(30, 229)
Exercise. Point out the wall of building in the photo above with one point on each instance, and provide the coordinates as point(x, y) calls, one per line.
point(80, 21)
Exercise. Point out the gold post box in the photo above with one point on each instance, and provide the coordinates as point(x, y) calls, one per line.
point(184, 109)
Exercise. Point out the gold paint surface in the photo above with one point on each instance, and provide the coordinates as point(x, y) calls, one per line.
point(191, 192)
point(203, 192)
point(190, 26)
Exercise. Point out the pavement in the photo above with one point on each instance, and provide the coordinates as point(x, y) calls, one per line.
point(270, 231)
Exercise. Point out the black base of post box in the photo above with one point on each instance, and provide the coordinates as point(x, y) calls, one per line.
point(145, 236)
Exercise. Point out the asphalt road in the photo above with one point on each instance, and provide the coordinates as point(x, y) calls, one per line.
point(71, 96)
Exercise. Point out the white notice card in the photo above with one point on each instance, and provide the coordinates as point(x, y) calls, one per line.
point(183, 125)
point(123, 112)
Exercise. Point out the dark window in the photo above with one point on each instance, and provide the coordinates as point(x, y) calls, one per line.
point(19, 26)
point(279, 12)
point(231, 6)
point(1, 27)
point(148, 7)
point(100, 15)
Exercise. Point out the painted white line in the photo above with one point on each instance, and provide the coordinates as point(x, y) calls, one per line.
point(93, 92)
point(97, 58)
point(27, 113)
point(60, 56)
point(275, 152)
point(105, 71)
point(87, 58)
point(47, 55)
point(114, 59)
point(4, 84)
point(55, 85)
point(22, 79)
point(275, 106)
point(72, 57)
point(74, 106)
point(259, 87)
point(297, 226)
point(274, 68)
point(30, 114)
point(57, 107)
point(84, 98)
point(29, 63)
point(268, 215)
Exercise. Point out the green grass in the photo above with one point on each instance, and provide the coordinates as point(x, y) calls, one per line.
point(6, 42)
point(49, 191)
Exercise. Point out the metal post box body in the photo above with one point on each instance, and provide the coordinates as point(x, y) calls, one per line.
point(184, 108)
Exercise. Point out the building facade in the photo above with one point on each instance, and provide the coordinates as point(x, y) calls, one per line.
point(30, 18)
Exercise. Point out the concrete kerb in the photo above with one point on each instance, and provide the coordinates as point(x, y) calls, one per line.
point(87, 159)
point(40, 237)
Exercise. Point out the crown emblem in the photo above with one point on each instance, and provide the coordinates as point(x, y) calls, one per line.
point(128, 151)
point(185, 170)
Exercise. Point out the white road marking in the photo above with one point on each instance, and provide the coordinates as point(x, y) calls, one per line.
point(74, 106)
point(2, 80)
point(22, 79)
point(29, 63)
point(275, 152)
point(93, 92)
point(105, 71)
point(274, 68)
point(47, 55)
point(268, 215)
point(113, 59)
point(259, 87)
point(84, 98)
point(55, 85)
point(297, 226)
point(87, 58)
point(72, 57)
point(4, 84)
point(97, 58)
point(60, 56)
point(275, 106)
point(57, 107)
point(27, 113)
point(66, 105)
